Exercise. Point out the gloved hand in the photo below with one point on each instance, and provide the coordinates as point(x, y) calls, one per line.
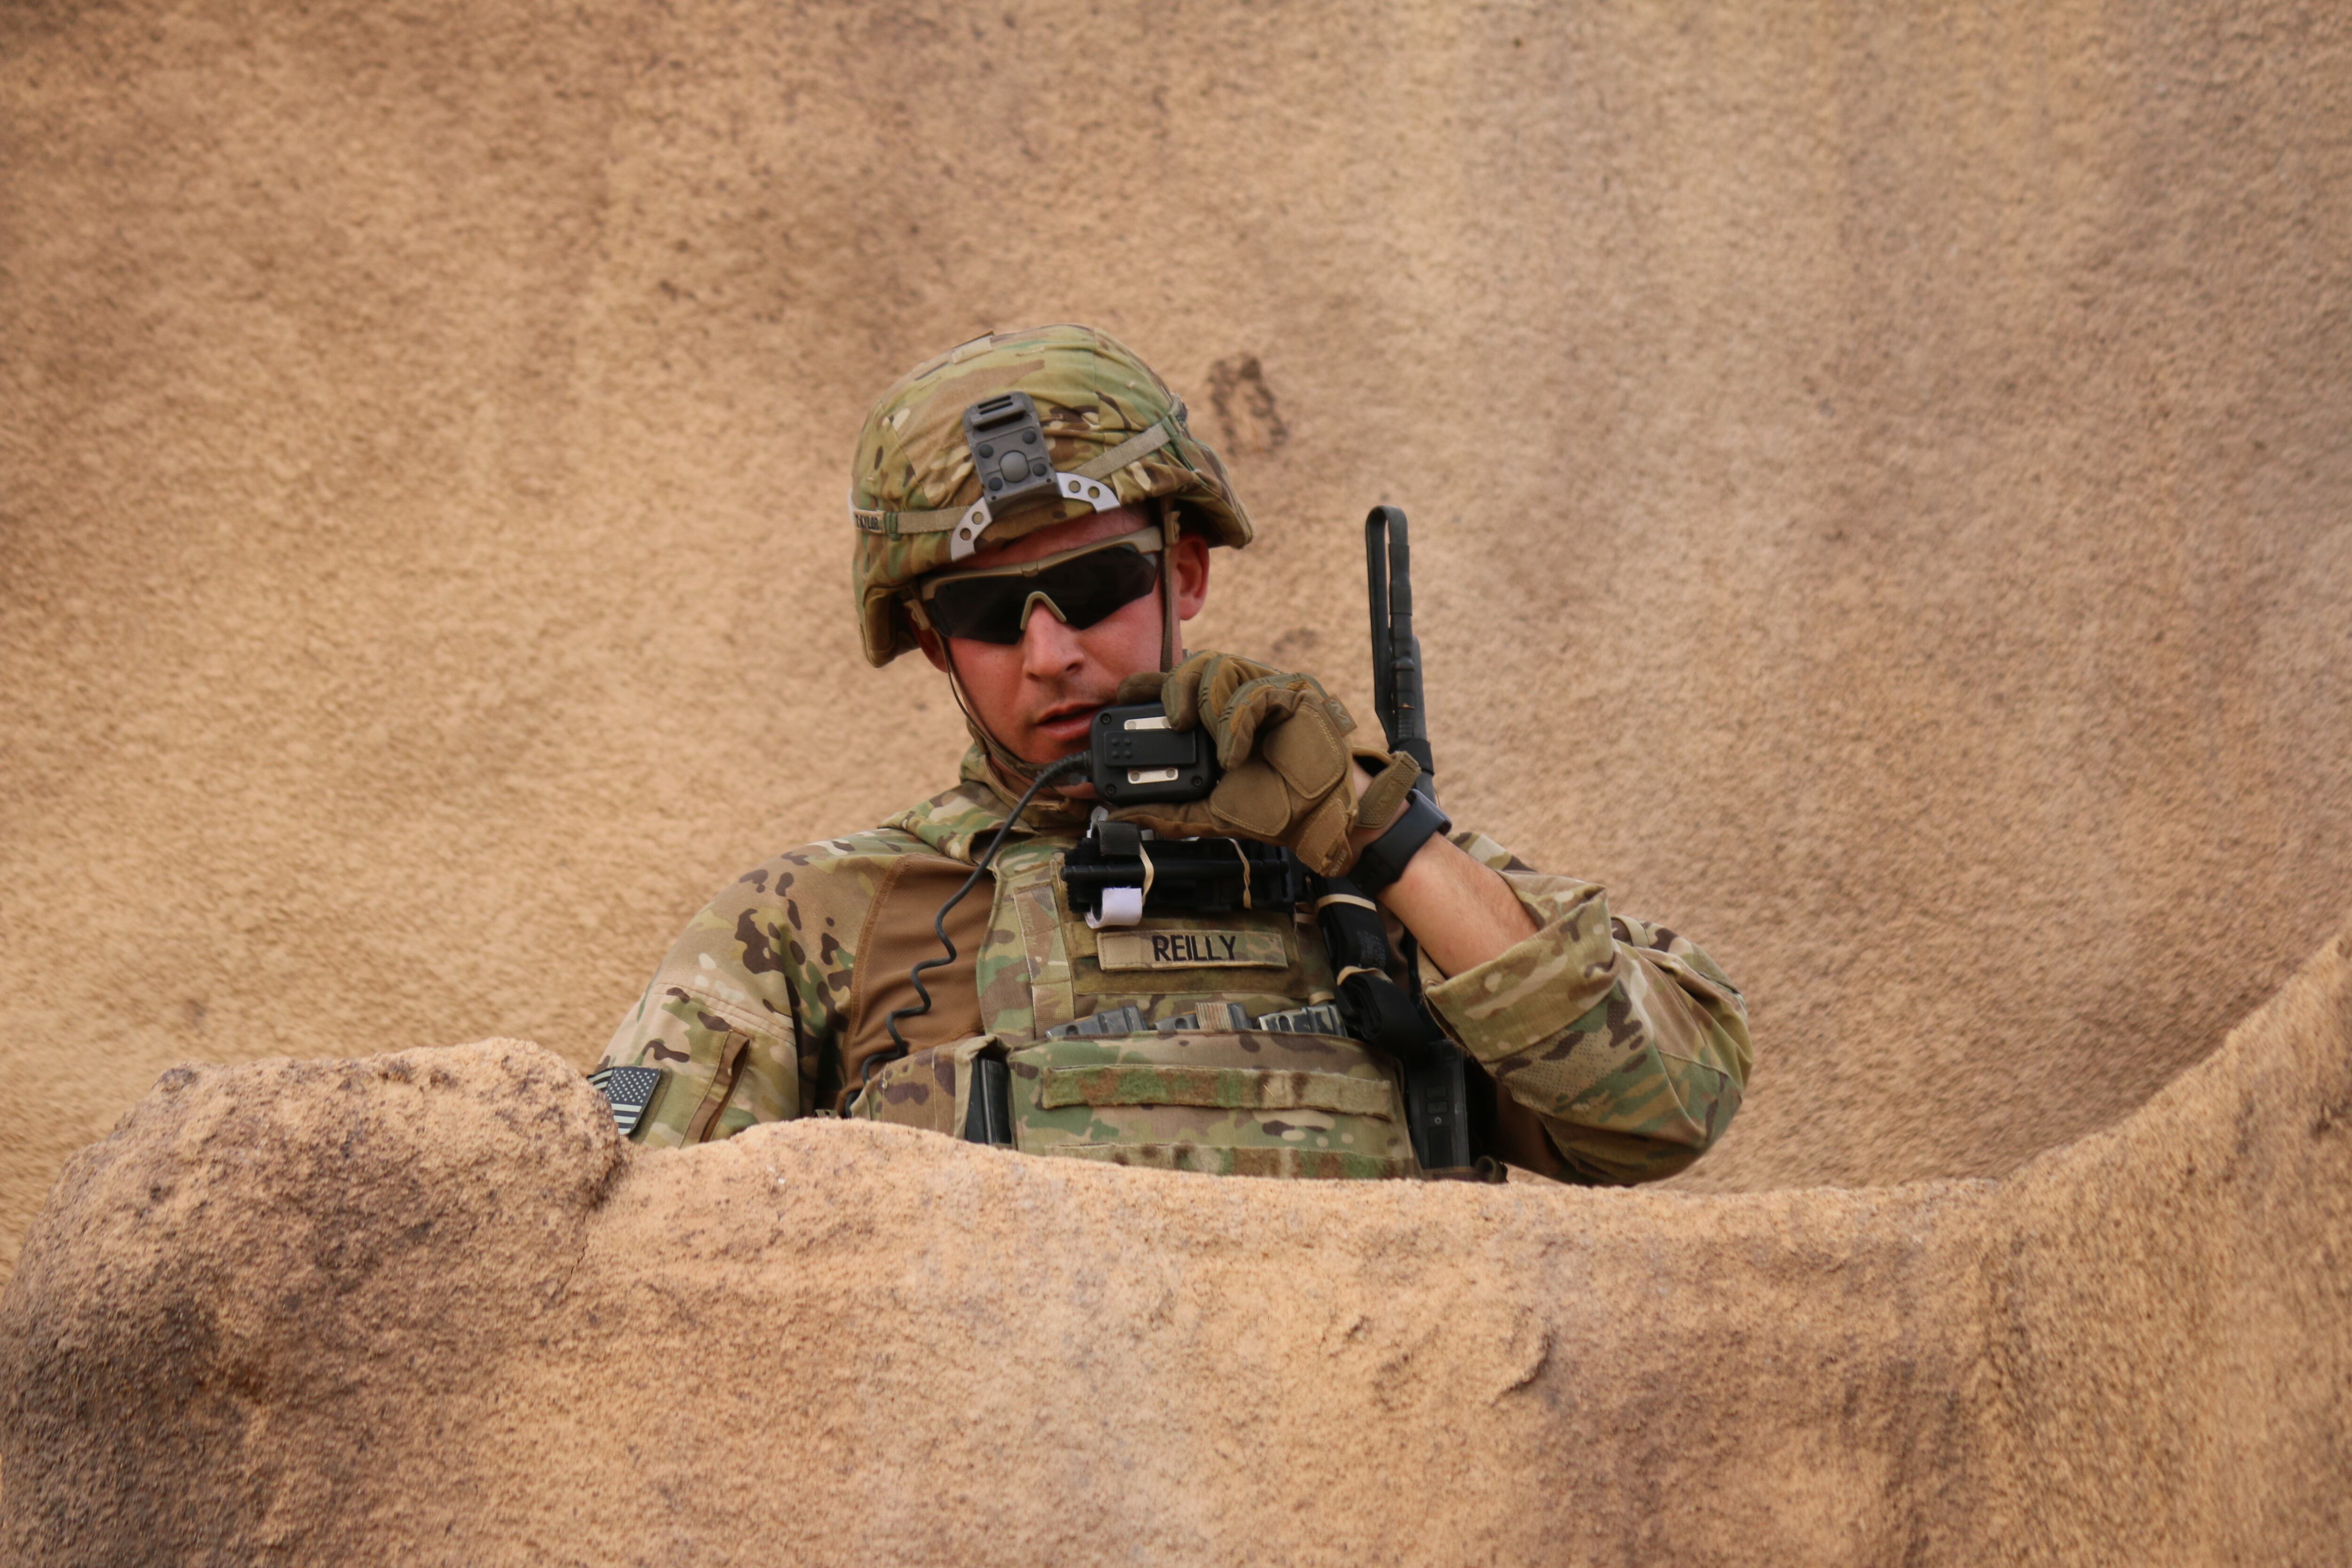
point(1282, 742)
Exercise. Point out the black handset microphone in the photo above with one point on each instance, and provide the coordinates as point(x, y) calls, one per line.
point(1134, 758)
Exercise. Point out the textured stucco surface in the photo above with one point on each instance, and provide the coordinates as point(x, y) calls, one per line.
point(426, 1308)
point(1880, 479)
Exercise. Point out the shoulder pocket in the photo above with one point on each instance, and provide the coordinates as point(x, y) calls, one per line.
point(731, 1052)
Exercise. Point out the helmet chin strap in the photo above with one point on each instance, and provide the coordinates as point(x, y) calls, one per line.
point(1170, 648)
point(1003, 755)
point(1013, 775)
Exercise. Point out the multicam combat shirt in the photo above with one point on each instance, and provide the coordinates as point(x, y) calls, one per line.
point(1610, 1050)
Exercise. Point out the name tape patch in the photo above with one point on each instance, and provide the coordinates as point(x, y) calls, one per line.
point(1193, 950)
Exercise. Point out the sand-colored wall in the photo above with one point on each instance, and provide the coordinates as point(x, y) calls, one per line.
point(428, 1308)
point(1881, 475)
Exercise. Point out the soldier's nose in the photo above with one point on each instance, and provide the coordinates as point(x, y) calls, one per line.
point(1048, 646)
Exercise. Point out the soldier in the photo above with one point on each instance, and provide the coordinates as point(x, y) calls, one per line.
point(1046, 582)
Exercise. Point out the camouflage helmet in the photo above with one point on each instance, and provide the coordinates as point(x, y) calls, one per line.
point(1114, 433)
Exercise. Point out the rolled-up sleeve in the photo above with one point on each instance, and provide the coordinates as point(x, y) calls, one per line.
point(1623, 1038)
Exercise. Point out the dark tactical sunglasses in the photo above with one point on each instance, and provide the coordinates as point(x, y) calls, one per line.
point(992, 603)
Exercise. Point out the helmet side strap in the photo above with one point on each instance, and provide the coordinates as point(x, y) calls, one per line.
point(998, 751)
point(1170, 531)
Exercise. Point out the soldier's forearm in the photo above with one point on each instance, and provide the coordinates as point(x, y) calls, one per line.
point(1461, 913)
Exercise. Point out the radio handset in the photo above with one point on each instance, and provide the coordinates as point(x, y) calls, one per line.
point(1133, 758)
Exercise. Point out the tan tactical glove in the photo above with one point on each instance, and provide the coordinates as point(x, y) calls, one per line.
point(1282, 742)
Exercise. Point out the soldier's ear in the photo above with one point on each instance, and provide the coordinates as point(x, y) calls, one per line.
point(1189, 560)
point(928, 641)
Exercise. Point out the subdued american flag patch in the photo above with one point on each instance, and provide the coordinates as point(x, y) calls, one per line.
point(629, 1090)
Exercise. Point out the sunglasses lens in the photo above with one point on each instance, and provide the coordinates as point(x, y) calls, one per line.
point(1084, 589)
point(1092, 586)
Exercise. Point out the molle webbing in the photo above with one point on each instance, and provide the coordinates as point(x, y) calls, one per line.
point(1227, 1088)
point(1287, 1164)
point(1247, 1102)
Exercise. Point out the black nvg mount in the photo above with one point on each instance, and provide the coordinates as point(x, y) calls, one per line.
point(1135, 759)
point(1008, 449)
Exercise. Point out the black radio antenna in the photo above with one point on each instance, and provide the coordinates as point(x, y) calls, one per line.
point(1396, 652)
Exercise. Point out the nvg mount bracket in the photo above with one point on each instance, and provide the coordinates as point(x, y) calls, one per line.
point(1008, 453)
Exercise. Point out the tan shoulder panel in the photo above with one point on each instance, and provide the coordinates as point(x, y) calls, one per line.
point(901, 931)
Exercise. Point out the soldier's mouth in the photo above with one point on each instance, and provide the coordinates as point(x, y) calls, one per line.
point(1067, 724)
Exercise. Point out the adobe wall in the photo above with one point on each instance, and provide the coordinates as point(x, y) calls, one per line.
point(1879, 476)
point(426, 1308)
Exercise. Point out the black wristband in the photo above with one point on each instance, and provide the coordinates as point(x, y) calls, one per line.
point(1384, 860)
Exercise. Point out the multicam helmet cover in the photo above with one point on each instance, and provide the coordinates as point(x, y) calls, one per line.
point(1114, 432)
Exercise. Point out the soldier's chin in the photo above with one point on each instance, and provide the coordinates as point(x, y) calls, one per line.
point(1081, 789)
